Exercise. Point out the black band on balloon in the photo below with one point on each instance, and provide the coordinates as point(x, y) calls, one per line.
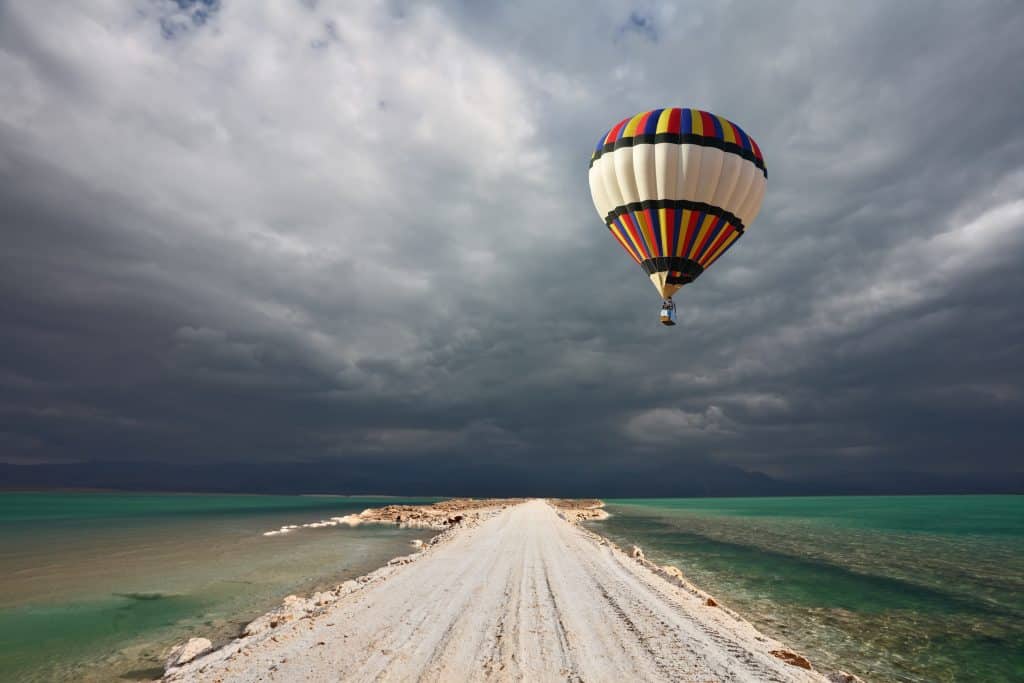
point(688, 269)
point(682, 139)
point(677, 204)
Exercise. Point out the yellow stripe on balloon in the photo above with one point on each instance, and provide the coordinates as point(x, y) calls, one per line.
point(663, 221)
point(632, 125)
point(728, 132)
point(645, 231)
point(718, 252)
point(684, 221)
point(705, 225)
point(696, 122)
point(666, 114)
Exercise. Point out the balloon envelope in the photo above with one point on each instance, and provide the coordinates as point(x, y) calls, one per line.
point(676, 188)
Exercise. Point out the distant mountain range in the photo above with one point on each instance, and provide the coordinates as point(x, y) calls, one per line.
point(459, 478)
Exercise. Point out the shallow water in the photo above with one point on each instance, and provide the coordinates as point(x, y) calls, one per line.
point(915, 588)
point(97, 586)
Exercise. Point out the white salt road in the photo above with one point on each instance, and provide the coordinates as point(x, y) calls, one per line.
point(525, 595)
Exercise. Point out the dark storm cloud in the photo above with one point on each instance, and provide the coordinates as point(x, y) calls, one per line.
point(222, 247)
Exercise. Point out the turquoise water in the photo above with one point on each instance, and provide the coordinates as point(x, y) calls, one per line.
point(915, 588)
point(97, 586)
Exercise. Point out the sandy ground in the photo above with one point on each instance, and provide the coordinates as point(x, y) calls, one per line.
point(521, 595)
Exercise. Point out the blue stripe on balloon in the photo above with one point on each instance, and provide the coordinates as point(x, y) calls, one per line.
point(744, 140)
point(718, 127)
point(685, 122)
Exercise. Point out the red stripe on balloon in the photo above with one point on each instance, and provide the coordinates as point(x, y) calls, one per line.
point(673, 120)
point(641, 124)
point(724, 235)
point(708, 124)
point(616, 132)
point(757, 150)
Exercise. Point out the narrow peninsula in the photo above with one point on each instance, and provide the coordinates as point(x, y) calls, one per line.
point(508, 591)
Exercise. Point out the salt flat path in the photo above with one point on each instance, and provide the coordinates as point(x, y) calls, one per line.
point(525, 595)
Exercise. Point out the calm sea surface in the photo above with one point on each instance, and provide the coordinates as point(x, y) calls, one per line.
point(917, 588)
point(97, 586)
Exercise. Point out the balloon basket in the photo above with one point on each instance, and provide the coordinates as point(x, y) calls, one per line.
point(667, 316)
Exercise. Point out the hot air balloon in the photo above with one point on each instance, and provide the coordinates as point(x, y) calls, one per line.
point(676, 188)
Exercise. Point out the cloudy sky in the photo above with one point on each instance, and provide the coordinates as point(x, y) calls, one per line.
point(362, 231)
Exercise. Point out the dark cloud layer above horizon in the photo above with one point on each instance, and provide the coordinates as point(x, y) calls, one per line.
point(316, 231)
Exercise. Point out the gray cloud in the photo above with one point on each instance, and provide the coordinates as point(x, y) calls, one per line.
point(313, 230)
